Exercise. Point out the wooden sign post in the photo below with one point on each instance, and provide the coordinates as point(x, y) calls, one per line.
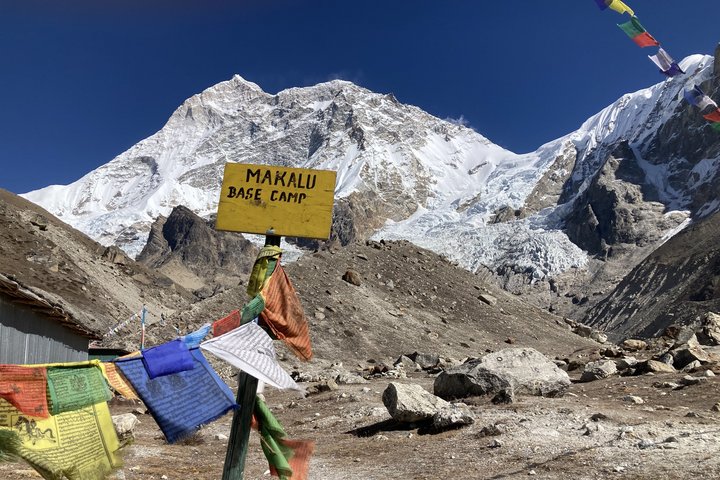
point(275, 201)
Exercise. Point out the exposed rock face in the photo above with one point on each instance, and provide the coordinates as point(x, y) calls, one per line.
point(187, 248)
point(619, 207)
point(675, 284)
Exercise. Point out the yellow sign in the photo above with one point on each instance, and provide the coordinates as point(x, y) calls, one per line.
point(290, 202)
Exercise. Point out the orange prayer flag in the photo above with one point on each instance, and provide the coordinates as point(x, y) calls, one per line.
point(283, 314)
point(118, 382)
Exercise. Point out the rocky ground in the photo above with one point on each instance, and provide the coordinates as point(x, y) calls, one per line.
point(591, 432)
point(370, 303)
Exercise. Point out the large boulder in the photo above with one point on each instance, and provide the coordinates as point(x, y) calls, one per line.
point(408, 403)
point(472, 379)
point(526, 370)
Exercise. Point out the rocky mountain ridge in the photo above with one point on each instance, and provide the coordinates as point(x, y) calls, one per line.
point(563, 224)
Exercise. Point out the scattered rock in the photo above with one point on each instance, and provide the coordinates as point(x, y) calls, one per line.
point(598, 336)
point(125, 425)
point(634, 345)
point(352, 277)
point(349, 379)
point(457, 415)
point(710, 332)
point(597, 370)
point(425, 360)
point(495, 443)
point(688, 380)
point(655, 367)
point(488, 299)
point(633, 399)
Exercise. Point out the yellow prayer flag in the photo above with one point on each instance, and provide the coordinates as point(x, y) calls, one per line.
point(81, 444)
point(621, 8)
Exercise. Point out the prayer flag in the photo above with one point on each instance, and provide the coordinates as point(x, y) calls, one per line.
point(193, 339)
point(250, 349)
point(620, 7)
point(226, 324)
point(180, 402)
point(637, 33)
point(77, 445)
point(283, 314)
point(25, 387)
point(665, 63)
point(716, 126)
point(288, 459)
point(170, 357)
point(74, 387)
point(117, 381)
point(259, 274)
point(603, 4)
point(713, 116)
point(693, 95)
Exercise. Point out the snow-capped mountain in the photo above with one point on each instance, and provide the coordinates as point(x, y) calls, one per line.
point(404, 174)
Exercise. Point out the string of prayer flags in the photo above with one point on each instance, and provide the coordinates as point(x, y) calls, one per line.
point(283, 314)
point(193, 339)
point(250, 349)
point(168, 358)
point(225, 324)
point(25, 388)
point(76, 386)
point(117, 381)
point(665, 63)
point(288, 459)
point(180, 402)
point(77, 445)
point(637, 33)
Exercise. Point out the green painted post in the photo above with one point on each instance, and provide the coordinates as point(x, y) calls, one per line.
point(240, 429)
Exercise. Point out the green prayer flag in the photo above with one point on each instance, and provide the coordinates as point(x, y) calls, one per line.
point(271, 432)
point(716, 126)
point(632, 28)
point(72, 388)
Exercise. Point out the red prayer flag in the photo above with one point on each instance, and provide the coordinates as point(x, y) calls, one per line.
point(25, 388)
point(224, 325)
point(645, 40)
point(713, 116)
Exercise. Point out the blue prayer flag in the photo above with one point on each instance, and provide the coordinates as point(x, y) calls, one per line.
point(180, 402)
point(170, 357)
point(193, 339)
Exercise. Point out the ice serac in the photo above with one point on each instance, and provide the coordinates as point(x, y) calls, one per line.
point(404, 174)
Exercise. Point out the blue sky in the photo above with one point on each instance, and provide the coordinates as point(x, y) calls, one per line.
point(81, 81)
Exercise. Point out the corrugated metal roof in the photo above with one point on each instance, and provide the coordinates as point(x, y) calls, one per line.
point(26, 296)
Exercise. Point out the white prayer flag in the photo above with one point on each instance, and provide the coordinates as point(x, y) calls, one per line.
point(250, 349)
